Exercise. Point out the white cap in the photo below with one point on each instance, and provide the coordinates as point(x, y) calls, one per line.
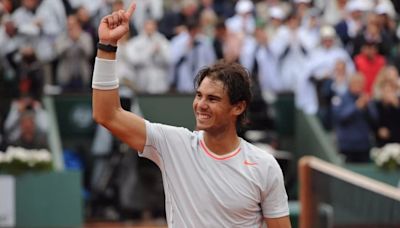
point(327, 31)
point(359, 5)
point(276, 12)
point(384, 8)
point(302, 1)
point(244, 6)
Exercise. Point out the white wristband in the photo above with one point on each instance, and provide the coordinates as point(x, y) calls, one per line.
point(104, 77)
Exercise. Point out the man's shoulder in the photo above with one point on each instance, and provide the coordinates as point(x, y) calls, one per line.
point(170, 129)
point(261, 153)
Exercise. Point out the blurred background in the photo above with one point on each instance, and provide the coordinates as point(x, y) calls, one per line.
point(326, 104)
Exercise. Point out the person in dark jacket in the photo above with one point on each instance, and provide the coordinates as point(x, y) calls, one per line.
point(353, 115)
point(388, 109)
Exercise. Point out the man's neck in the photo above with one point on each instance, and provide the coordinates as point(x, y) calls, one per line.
point(221, 144)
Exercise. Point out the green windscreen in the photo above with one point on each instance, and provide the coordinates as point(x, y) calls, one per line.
point(351, 205)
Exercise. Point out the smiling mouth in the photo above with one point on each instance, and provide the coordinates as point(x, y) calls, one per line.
point(201, 116)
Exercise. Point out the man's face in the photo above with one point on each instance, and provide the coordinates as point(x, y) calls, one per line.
point(328, 42)
point(369, 50)
point(356, 86)
point(150, 27)
point(212, 108)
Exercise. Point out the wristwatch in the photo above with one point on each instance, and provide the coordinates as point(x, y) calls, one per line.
point(106, 47)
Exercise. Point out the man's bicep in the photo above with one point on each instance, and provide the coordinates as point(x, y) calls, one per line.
point(130, 128)
point(282, 222)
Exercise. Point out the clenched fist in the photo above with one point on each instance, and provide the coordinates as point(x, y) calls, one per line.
point(114, 26)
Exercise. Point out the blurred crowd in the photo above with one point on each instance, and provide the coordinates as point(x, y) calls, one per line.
point(339, 58)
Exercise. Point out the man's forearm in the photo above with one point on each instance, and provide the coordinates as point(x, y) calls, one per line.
point(105, 87)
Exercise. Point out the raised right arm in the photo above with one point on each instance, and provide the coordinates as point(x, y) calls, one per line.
point(107, 109)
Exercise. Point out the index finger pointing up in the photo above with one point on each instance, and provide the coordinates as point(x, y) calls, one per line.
point(131, 9)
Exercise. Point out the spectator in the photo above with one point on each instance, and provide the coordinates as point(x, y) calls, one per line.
point(303, 9)
point(340, 80)
point(372, 33)
point(352, 24)
point(173, 23)
point(387, 19)
point(23, 113)
point(74, 48)
point(291, 46)
point(31, 136)
point(87, 24)
point(208, 21)
point(151, 67)
point(369, 62)
point(243, 22)
point(52, 17)
point(334, 11)
point(388, 73)
point(276, 18)
point(30, 73)
point(191, 51)
point(146, 10)
point(266, 9)
point(22, 29)
point(388, 108)
point(257, 57)
point(219, 39)
point(353, 113)
point(335, 84)
point(319, 67)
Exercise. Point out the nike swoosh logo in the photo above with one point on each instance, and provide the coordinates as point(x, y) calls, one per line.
point(249, 163)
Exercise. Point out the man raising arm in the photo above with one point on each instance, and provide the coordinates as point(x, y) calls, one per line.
point(107, 109)
point(211, 176)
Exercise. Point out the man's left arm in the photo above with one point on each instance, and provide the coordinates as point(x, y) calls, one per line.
point(282, 222)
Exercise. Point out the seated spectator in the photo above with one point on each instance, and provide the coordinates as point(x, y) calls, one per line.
point(388, 109)
point(74, 48)
point(31, 136)
point(26, 124)
point(353, 113)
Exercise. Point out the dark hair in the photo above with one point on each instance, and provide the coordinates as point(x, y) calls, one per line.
point(236, 80)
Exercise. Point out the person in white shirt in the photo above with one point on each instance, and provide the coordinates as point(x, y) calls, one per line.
point(320, 64)
point(190, 51)
point(212, 177)
point(291, 45)
point(152, 66)
point(243, 22)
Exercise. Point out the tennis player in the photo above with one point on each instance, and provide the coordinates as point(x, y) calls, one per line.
point(212, 177)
